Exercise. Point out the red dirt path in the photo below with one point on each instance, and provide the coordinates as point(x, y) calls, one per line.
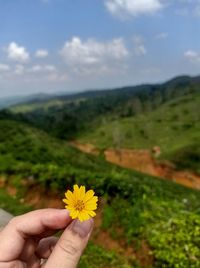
point(143, 161)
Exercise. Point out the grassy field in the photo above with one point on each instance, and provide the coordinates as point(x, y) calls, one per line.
point(137, 208)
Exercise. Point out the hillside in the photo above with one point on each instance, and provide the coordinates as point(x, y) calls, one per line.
point(174, 127)
point(143, 221)
point(134, 208)
point(66, 116)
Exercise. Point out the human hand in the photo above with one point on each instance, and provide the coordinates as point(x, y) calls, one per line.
point(27, 239)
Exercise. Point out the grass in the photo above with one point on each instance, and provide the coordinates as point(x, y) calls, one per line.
point(172, 126)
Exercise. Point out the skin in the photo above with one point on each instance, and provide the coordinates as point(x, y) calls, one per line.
point(28, 238)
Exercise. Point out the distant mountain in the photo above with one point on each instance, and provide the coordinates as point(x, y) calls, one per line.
point(126, 90)
point(17, 100)
point(7, 102)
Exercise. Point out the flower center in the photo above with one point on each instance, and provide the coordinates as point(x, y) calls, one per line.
point(79, 205)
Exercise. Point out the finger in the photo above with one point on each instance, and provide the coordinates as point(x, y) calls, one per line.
point(46, 247)
point(15, 234)
point(71, 245)
point(17, 264)
point(33, 262)
point(29, 249)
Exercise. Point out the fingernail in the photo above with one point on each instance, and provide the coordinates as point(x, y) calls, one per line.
point(82, 228)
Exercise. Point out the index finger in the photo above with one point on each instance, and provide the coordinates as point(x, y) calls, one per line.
point(35, 223)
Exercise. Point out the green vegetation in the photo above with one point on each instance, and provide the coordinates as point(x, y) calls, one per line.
point(137, 209)
point(66, 116)
point(12, 204)
point(171, 126)
point(171, 231)
point(96, 256)
point(174, 127)
point(138, 204)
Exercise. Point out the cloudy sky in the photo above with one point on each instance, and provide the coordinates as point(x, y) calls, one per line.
point(72, 45)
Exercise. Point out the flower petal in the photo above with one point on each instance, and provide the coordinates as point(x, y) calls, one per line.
point(83, 216)
point(76, 191)
point(69, 194)
point(74, 214)
point(69, 202)
point(91, 206)
point(82, 192)
point(65, 201)
point(70, 208)
point(93, 199)
point(91, 213)
point(89, 194)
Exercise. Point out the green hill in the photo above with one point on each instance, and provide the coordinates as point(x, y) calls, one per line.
point(154, 219)
point(66, 116)
point(174, 127)
point(137, 209)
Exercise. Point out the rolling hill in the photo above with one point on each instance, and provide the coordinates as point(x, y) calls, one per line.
point(134, 208)
point(139, 117)
point(66, 116)
point(174, 127)
point(142, 221)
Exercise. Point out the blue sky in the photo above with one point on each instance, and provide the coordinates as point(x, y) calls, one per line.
point(71, 45)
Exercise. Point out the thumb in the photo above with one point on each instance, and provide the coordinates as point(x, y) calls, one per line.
point(71, 244)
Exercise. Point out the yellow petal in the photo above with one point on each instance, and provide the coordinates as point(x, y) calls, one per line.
point(83, 216)
point(76, 191)
point(82, 192)
point(65, 201)
point(89, 194)
point(94, 199)
point(80, 217)
point(68, 202)
point(91, 206)
point(69, 194)
point(91, 213)
point(70, 208)
point(74, 214)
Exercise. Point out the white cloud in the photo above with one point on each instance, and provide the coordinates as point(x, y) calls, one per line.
point(92, 52)
point(41, 53)
point(192, 56)
point(139, 48)
point(17, 53)
point(124, 8)
point(4, 67)
point(55, 77)
point(161, 36)
point(50, 68)
point(197, 10)
point(36, 68)
point(42, 68)
point(188, 8)
point(19, 69)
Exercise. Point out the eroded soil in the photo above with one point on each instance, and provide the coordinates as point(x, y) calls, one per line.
point(144, 161)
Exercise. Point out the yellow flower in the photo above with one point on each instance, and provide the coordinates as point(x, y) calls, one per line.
point(81, 204)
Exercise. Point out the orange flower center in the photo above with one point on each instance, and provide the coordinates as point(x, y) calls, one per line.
point(79, 205)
